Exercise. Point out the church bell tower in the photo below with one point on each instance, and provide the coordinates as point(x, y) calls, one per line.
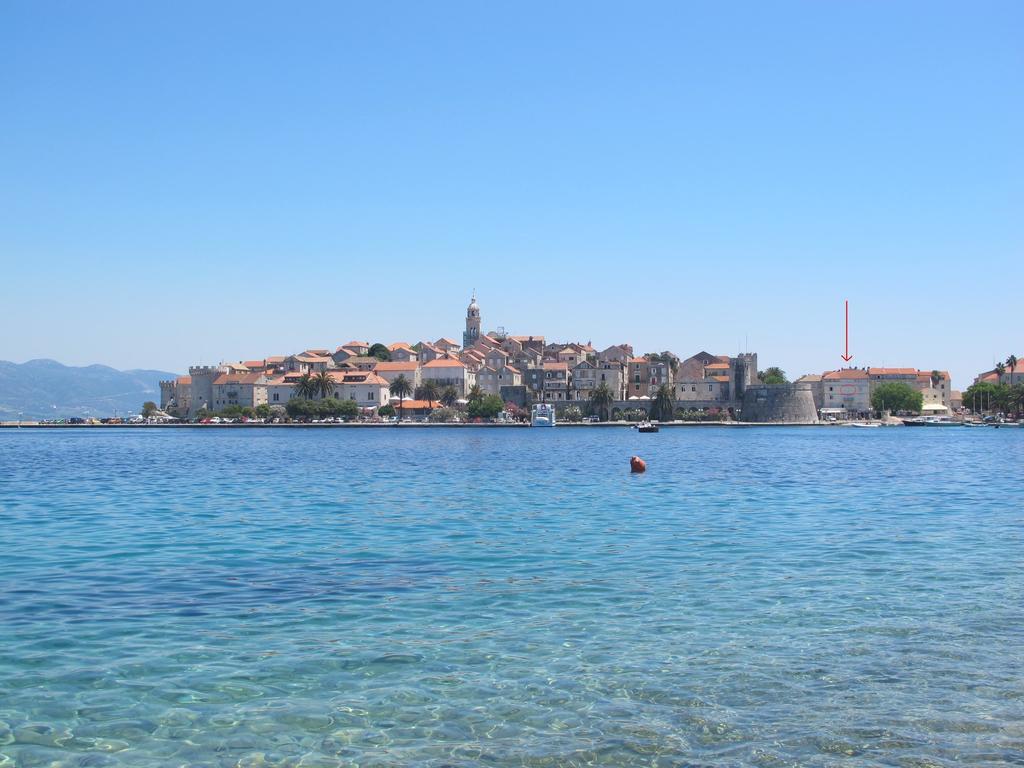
point(472, 332)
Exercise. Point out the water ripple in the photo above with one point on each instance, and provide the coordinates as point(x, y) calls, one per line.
point(762, 597)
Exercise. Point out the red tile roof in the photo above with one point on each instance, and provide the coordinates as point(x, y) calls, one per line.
point(444, 362)
point(416, 405)
point(892, 371)
point(846, 373)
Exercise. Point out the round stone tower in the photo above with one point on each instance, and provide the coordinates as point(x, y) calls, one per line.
point(779, 404)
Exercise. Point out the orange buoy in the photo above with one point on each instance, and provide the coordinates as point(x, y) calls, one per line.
point(636, 464)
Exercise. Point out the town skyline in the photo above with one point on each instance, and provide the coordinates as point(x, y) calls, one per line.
point(859, 360)
point(518, 371)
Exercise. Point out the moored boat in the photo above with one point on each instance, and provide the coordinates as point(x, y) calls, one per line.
point(647, 426)
point(932, 421)
point(542, 415)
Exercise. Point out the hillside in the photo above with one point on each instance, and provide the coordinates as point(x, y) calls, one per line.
point(46, 389)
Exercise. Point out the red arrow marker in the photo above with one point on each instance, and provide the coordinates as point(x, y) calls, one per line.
point(847, 357)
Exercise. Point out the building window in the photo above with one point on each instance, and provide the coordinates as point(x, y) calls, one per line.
point(275, 397)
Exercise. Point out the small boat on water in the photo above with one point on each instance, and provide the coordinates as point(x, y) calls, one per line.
point(859, 425)
point(932, 421)
point(647, 426)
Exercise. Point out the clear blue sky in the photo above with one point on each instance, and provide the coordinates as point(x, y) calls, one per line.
point(192, 182)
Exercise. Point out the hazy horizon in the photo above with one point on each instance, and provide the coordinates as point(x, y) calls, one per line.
point(204, 183)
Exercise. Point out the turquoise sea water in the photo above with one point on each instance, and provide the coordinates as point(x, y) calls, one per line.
point(319, 597)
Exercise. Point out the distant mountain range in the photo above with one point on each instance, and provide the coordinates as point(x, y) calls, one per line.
point(45, 389)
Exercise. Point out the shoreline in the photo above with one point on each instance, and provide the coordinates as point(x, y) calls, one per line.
point(411, 425)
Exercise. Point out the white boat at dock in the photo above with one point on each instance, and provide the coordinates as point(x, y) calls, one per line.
point(542, 415)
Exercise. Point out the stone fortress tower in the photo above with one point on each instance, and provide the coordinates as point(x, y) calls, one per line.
point(744, 373)
point(472, 333)
point(779, 404)
point(202, 386)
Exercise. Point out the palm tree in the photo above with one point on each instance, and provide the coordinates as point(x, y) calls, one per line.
point(936, 378)
point(1000, 370)
point(601, 399)
point(1011, 364)
point(476, 394)
point(663, 405)
point(324, 384)
point(449, 396)
point(306, 387)
point(401, 388)
point(428, 391)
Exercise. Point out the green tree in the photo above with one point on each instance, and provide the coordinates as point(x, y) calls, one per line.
point(443, 415)
point(570, 413)
point(263, 410)
point(345, 408)
point(663, 405)
point(379, 351)
point(983, 395)
point(324, 384)
point(1011, 365)
point(449, 396)
point(305, 388)
point(601, 399)
point(149, 408)
point(301, 408)
point(1000, 370)
point(1004, 398)
point(386, 410)
point(428, 391)
point(475, 394)
point(773, 375)
point(1015, 400)
point(896, 396)
point(401, 388)
point(487, 408)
